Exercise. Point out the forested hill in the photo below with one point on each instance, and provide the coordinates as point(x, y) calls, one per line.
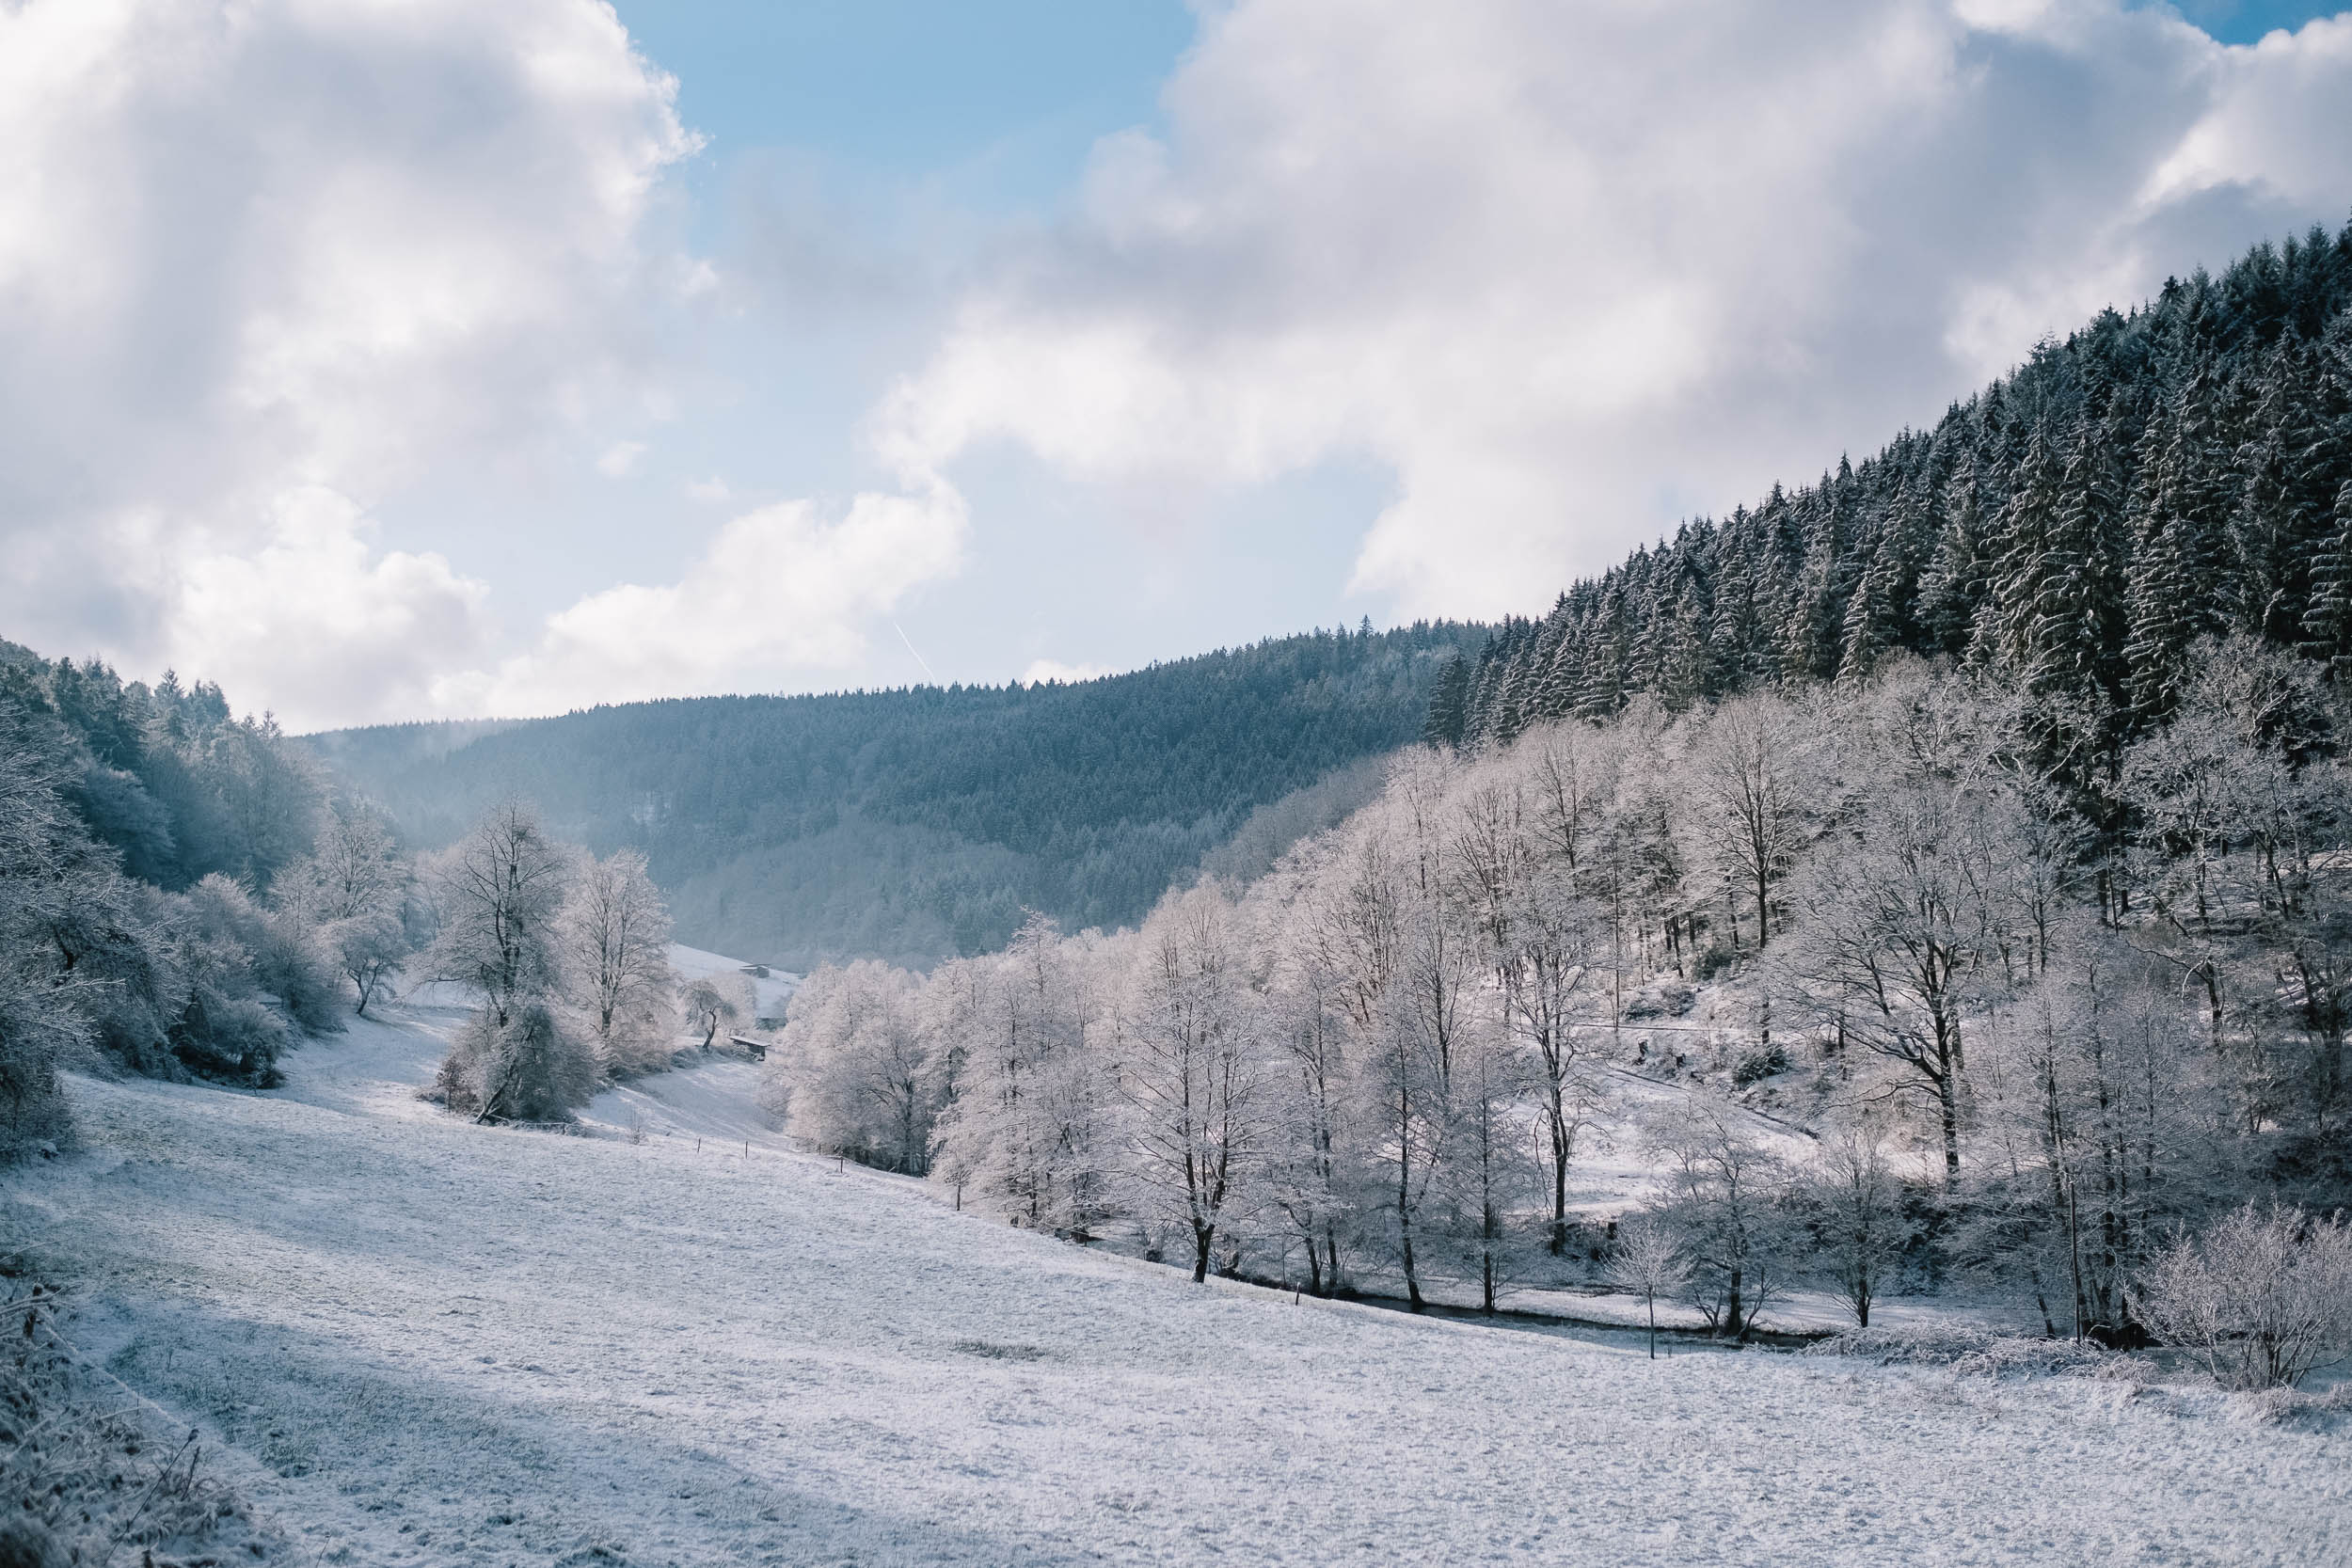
point(2181, 471)
point(917, 823)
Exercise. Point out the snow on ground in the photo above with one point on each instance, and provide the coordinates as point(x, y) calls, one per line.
point(715, 1101)
point(431, 1342)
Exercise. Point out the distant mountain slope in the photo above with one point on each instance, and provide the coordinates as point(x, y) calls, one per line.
point(2181, 471)
point(915, 823)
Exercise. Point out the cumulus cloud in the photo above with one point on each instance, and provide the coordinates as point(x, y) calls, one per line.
point(1572, 271)
point(260, 264)
point(317, 613)
point(779, 591)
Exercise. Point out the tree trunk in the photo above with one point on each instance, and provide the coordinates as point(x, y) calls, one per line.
point(1949, 1101)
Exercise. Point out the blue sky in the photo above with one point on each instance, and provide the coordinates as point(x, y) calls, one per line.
point(443, 360)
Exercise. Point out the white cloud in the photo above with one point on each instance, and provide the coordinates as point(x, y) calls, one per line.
point(779, 591)
point(621, 458)
point(713, 490)
point(1571, 271)
point(315, 615)
point(260, 254)
point(1069, 674)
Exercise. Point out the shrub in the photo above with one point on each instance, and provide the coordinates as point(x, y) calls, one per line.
point(1966, 1348)
point(1755, 1066)
point(232, 1036)
point(2260, 1300)
point(528, 1068)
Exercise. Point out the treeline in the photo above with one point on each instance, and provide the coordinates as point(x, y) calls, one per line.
point(922, 822)
point(2179, 472)
point(179, 893)
point(182, 895)
point(1380, 1064)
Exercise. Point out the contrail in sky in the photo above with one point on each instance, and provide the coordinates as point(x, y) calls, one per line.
point(909, 642)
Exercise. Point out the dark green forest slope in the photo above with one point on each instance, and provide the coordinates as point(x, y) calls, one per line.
point(917, 823)
point(2182, 472)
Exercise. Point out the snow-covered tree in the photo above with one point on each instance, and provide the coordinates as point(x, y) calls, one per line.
point(1197, 1070)
point(499, 893)
point(615, 930)
point(850, 1069)
point(1648, 1262)
point(2262, 1299)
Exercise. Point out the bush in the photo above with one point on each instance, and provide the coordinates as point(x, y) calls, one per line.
point(1964, 1348)
point(528, 1068)
point(282, 958)
point(33, 1111)
point(232, 1036)
point(2264, 1298)
point(1753, 1067)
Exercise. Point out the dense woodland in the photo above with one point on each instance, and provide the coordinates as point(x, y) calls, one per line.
point(1896, 1037)
point(1979, 813)
point(182, 895)
point(165, 888)
point(915, 823)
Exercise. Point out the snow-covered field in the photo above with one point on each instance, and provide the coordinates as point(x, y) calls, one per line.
point(428, 1342)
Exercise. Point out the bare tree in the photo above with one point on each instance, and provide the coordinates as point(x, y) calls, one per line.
point(1723, 1192)
point(616, 933)
point(1747, 805)
point(1648, 1262)
point(1857, 1199)
point(2262, 1299)
point(1905, 931)
point(1196, 1075)
point(499, 891)
point(712, 1005)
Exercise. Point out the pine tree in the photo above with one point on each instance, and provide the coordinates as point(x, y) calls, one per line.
point(2327, 625)
point(1953, 585)
point(1449, 704)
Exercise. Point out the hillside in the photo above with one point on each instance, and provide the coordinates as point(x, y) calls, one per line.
point(2182, 472)
point(703, 1357)
point(918, 823)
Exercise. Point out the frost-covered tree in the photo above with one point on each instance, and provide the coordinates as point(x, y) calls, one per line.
point(615, 930)
point(850, 1069)
point(1031, 1130)
point(1197, 1074)
point(1855, 1195)
point(46, 871)
point(1747, 803)
point(715, 1002)
point(1648, 1262)
point(500, 892)
point(1723, 1201)
point(2262, 1299)
point(353, 888)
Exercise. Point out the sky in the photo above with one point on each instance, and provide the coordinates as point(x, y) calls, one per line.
point(456, 357)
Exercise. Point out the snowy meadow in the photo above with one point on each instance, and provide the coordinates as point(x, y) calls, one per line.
point(413, 1340)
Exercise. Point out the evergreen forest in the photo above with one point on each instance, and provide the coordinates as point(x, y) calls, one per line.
point(2178, 472)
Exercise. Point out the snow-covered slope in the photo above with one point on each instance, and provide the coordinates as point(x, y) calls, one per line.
point(774, 988)
point(430, 1342)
